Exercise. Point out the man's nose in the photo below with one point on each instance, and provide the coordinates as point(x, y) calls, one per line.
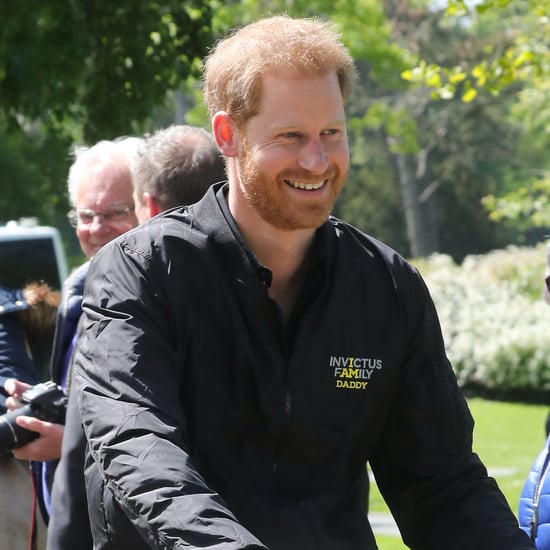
point(314, 158)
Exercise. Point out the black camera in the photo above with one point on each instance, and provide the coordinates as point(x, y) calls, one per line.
point(44, 401)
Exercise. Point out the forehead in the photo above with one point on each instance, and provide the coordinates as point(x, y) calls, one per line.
point(288, 99)
point(104, 184)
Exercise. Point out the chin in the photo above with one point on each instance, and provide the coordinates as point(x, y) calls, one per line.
point(300, 224)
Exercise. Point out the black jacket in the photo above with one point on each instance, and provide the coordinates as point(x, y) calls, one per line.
point(69, 524)
point(212, 425)
point(68, 315)
point(68, 520)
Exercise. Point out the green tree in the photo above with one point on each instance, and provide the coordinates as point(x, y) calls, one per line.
point(520, 55)
point(419, 165)
point(463, 149)
point(81, 71)
point(519, 61)
point(101, 64)
point(525, 200)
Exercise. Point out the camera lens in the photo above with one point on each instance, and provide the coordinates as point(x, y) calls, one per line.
point(12, 435)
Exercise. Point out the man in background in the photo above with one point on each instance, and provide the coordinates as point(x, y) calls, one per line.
point(175, 167)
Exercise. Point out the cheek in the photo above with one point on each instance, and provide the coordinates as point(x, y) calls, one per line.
point(82, 234)
point(340, 152)
point(274, 159)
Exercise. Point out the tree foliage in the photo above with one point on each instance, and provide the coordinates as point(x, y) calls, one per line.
point(79, 71)
point(520, 61)
point(521, 55)
point(420, 165)
point(446, 154)
point(102, 64)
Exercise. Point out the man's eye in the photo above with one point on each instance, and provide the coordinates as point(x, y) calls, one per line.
point(117, 214)
point(86, 216)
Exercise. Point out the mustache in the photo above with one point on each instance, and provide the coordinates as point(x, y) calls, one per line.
point(307, 177)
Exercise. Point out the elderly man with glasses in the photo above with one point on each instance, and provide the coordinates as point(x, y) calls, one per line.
point(100, 185)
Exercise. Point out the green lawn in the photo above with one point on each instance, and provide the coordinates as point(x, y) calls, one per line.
point(507, 436)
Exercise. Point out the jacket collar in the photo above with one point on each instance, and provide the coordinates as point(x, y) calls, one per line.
point(211, 215)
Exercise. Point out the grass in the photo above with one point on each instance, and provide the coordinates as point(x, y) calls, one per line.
point(507, 437)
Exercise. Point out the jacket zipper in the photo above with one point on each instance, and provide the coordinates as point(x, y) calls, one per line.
point(287, 401)
point(536, 496)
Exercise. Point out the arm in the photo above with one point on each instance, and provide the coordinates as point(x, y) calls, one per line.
point(129, 372)
point(436, 487)
point(17, 373)
point(48, 445)
point(15, 362)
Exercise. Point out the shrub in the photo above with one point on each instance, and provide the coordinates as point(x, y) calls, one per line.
point(495, 324)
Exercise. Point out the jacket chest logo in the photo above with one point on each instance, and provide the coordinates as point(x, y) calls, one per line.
point(353, 373)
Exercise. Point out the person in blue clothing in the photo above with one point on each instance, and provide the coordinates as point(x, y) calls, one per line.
point(100, 186)
point(534, 502)
point(27, 320)
point(15, 359)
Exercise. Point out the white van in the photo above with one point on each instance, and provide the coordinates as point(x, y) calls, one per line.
point(30, 252)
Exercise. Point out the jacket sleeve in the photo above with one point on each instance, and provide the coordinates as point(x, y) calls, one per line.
point(15, 362)
point(437, 489)
point(128, 370)
point(534, 509)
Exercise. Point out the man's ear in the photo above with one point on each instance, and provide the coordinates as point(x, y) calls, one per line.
point(152, 205)
point(225, 134)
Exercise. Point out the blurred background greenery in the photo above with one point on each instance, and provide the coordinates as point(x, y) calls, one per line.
point(449, 126)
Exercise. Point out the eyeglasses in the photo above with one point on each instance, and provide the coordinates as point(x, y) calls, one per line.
point(85, 216)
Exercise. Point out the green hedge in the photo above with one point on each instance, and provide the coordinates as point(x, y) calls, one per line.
point(494, 320)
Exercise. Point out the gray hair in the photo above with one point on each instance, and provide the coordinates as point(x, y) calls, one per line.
point(177, 164)
point(103, 150)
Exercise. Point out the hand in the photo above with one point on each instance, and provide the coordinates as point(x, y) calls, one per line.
point(15, 388)
point(47, 446)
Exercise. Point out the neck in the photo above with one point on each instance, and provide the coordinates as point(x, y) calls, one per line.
point(287, 260)
point(284, 252)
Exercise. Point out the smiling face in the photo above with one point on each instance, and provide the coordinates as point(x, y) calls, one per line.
point(104, 186)
point(292, 157)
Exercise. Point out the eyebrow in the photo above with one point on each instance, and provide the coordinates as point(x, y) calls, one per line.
point(111, 205)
